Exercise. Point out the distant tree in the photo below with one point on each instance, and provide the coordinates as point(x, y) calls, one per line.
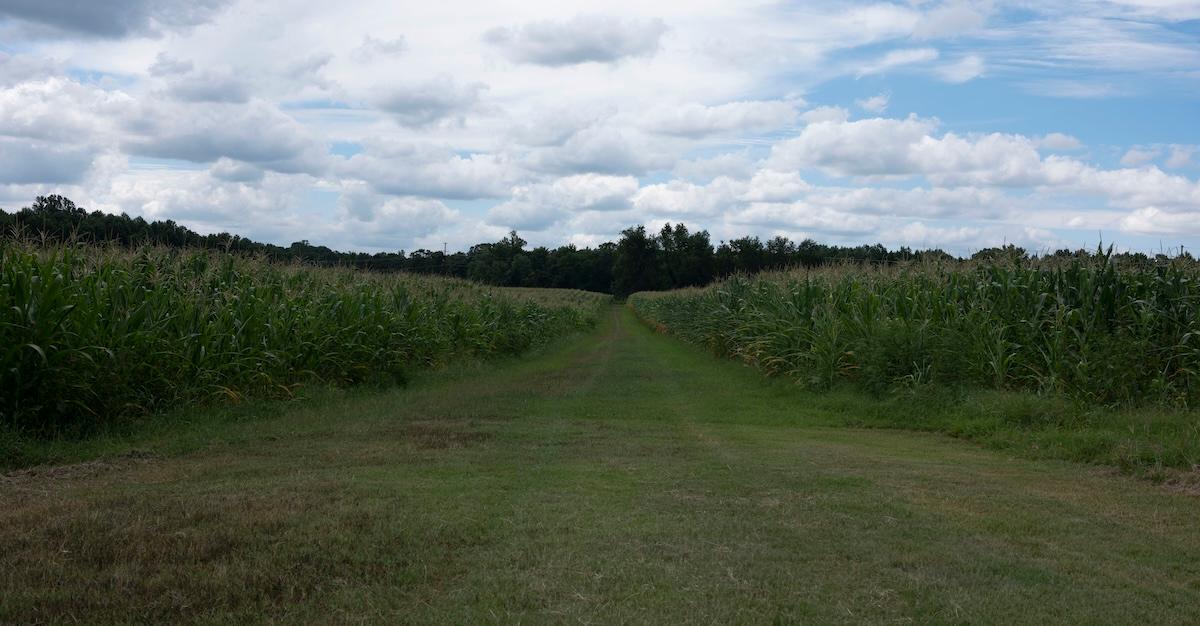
point(1010, 253)
point(673, 257)
point(636, 266)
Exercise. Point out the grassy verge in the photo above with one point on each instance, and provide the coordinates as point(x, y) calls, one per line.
point(1152, 442)
point(184, 430)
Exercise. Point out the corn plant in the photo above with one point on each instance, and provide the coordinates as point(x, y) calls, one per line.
point(1088, 328)
point(90, 334)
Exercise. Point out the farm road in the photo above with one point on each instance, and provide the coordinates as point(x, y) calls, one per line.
point(616, 477)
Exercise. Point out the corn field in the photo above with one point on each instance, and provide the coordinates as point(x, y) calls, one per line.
point(91, 335)
point(1089, 328)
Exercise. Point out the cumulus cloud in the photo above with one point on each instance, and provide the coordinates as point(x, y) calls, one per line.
point(208, 204)
point(1059, 141)
point(735, 165)
point(775, 186)
point(825, 114)
point(212, 86)
point(936, 202)
point(883, 147)
point(389, 221)
point(876, 146)
point(679, 199)
point(372, 48)
point(18, 68)
point(583, 39)
point(905, 148)
point(25, 161)
point(59, 109)
point(229, 170)
point(1155, 221)
point(605, 148)
point(535, 207)
point(709, 120)
point(255, 132)
point(436, 100)
point(696, 120)
point(874, 104)
point(1180, 156)
point(52, 131)
point(429, 170)
point(966, 69)
point(114, 18)
point(1140, 156)
point(167, 65)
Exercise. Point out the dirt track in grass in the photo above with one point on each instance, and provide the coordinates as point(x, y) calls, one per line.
point(618, 477)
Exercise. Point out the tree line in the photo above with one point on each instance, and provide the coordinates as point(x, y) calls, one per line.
point(640, 260)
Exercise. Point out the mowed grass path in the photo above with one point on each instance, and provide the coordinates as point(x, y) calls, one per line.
point(618, 477)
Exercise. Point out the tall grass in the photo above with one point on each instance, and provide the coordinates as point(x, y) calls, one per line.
point(90, 335)
point(1088, 329)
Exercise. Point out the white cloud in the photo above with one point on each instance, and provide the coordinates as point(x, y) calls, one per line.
point(679, 199)
point(166, 65)
point(802, 216)
point(909, 148)
point(1154, 221)
point(825, 114)
point(422, 103)
point(255, 132)
point(877, 146)
point(606, 147)
point(535, 207)
point(898, 58)
point(951, 19)
point(229, 170)
point(874, 104)
point(389, 222)
point(1075, 89)
point(699, 99)
point(697, 120)
point(18, 68)
point(583, 39)
point(775, 186)
point(1059, 141)
point(58, 109)
point(205, 203)
point(735, 165)
point(963, 70)
point(373, 48)
point(1180, 156)
point(221, 86)
point(1140, 156)
point(430, 170)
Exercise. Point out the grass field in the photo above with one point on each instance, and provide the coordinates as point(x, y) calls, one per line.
point(617, 476)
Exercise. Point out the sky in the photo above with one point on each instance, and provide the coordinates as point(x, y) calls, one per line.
point(386, 125)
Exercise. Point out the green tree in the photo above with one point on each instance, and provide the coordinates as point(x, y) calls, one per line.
point(636, 266)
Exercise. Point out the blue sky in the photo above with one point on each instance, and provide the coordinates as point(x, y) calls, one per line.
point(378, 125)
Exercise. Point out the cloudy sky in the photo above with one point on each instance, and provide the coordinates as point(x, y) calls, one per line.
point(383, 125)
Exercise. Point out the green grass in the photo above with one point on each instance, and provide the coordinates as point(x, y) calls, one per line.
point(615, 477)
